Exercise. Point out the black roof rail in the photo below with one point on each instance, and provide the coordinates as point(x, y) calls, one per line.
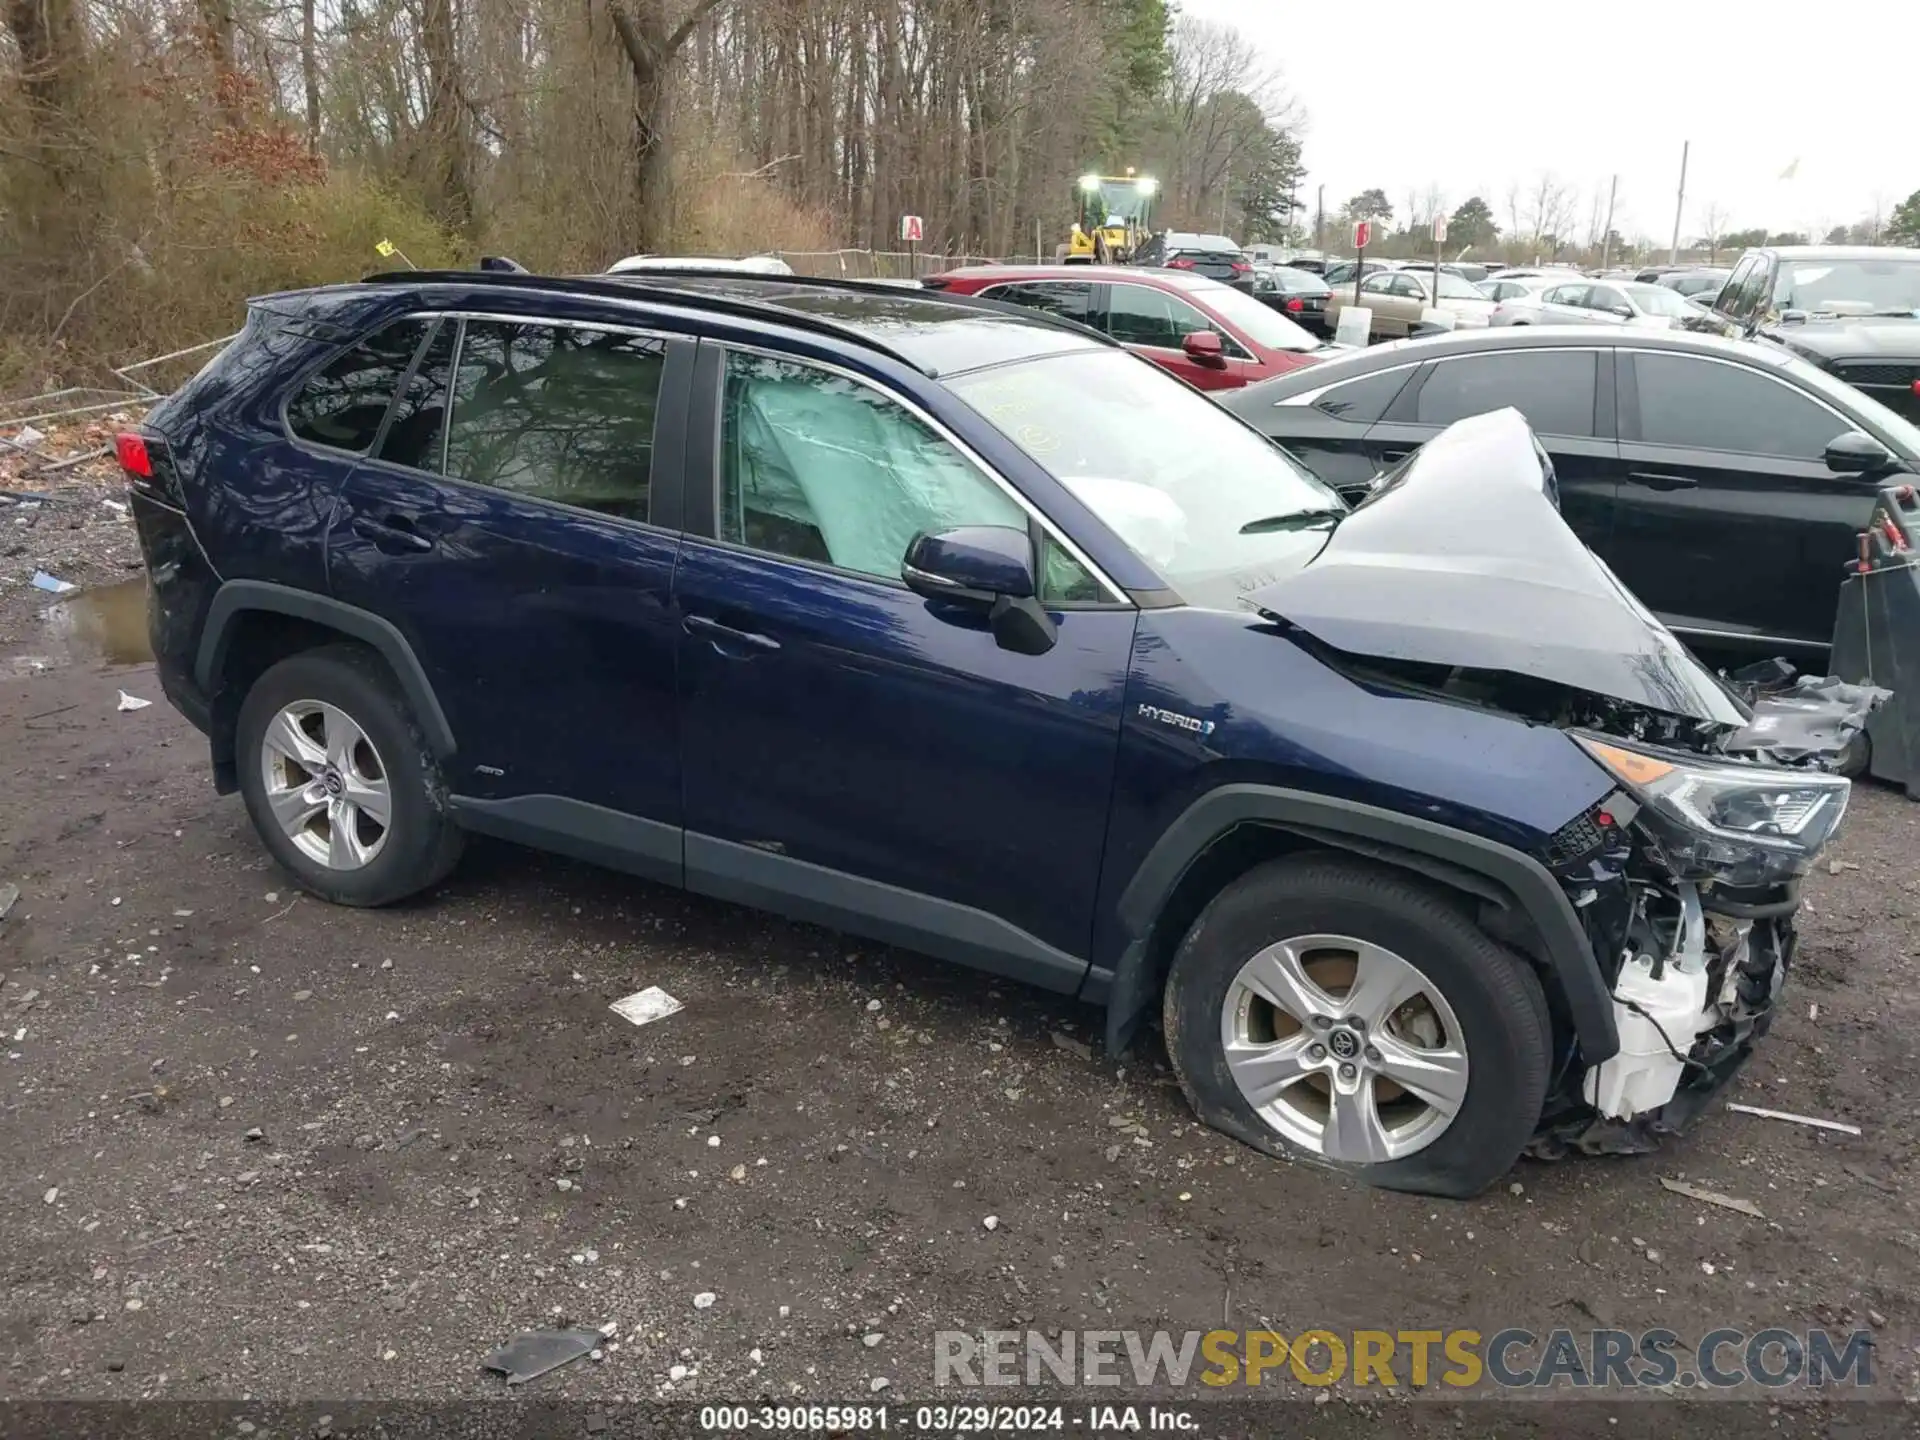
point(622, 288)
point(868, 285)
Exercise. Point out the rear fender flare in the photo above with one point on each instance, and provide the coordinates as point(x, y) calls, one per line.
point(1484, 868)
point(238, 597)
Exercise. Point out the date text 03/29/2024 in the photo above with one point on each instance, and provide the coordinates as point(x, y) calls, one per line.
point(959, 1419)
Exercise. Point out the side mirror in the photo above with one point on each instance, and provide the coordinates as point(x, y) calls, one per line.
point(983, 569)
point(1203, 347)
point(1625, 312)
point(1856, 454)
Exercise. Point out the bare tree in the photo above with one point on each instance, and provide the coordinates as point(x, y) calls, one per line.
point(652, 49)
point(1549, 206)
point(1713, 224)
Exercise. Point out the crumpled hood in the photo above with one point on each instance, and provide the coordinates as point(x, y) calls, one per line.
point(1464, 561)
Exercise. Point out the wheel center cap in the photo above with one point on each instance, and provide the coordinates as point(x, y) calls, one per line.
point(334, 781)
point(1344, 1044)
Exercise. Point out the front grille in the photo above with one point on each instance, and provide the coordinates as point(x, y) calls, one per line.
point(1575, 840)
point(1891, 382)
point(1862, 372)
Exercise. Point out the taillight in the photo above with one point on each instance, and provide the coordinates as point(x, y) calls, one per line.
point(150, 467)
point(1296, 304)
point(1180, 262)
point(131, 449)
point(1916, 387)
point(1240, 267)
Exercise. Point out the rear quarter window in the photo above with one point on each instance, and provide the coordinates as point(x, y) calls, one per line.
point(342, 404)
point(1365, 400)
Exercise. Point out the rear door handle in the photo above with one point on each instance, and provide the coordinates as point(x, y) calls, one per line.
point(1395, 456)
point(1656, 480)
point(392, 533)
point(725, 638)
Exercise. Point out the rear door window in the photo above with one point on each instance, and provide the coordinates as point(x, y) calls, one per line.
point(557, 413)
point(1137, 315)
point(417, 430)
point(342, 405)
point(1069, 299)
point(1554, 389)
point(1707, 405)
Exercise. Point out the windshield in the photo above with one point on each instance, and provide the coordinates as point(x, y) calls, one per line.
point(1298, 279)
point(1254, 320)
point(1170, 472)
point(1454, 287)
point(1691, 285)
point(1848, 287)
point(1658, 300)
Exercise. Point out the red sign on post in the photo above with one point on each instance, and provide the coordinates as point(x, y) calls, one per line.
point(1439, 229)
point(1362, 233)
point(911, 228)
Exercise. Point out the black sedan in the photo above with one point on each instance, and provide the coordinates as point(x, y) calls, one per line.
point(1297, 294)
point(1724, 481)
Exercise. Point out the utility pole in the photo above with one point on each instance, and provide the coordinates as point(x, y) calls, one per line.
point(1320, 220)
point(1679, 204)
point(1606, 238)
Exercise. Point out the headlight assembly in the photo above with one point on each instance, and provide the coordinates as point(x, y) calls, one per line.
point(1743, 825)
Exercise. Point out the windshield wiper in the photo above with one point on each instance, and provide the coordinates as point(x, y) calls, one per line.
point(1912, 312)
point(1294, 520)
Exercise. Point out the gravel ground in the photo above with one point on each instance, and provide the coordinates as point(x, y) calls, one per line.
point(259, 1147)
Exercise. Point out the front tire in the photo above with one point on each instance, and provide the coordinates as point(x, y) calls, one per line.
point(1347, 1014)
point(339, 781)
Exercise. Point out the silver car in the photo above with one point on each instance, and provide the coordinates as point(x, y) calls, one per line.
point(1599, 302)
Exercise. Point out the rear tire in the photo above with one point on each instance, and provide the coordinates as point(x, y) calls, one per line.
point(1481, 1007)
point(340, 782)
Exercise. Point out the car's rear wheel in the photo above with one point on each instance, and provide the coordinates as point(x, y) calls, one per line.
point(339, 781)
point(1343, 1013)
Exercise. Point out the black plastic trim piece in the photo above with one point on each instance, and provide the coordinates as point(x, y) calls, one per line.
point(236, 597)
point(667, 486)
point(1482, 867)
point(700, 510)
point(747, 875)
point(651, 849)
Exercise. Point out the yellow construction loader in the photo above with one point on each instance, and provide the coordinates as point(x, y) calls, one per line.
point(1113, 219)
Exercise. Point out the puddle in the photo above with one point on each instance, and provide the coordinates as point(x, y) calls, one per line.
point(108, 624)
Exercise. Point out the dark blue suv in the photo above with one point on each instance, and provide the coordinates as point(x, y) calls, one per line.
point(960, 627)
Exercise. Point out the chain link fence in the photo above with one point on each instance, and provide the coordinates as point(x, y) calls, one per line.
point(876, 264)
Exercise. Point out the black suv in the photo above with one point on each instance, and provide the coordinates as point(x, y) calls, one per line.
point(940, 622)
point(1852, 310)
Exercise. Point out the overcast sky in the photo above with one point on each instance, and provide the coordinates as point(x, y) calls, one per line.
point(1522, 88)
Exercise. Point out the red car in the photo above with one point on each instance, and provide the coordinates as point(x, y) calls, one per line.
point(1209, 334)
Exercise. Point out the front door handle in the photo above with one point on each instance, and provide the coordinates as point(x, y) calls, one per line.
point(725, 638)
point(1657, 480)
point(393, 533)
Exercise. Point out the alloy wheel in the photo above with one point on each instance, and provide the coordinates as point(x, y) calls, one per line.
point(326, 784)
point(1344, 1048)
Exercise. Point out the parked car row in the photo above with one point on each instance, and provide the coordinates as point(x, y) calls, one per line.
point(1723, 482)
point(947, 621)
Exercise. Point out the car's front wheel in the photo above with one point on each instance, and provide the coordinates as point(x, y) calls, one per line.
point(1340, 1012)
point(339, 780)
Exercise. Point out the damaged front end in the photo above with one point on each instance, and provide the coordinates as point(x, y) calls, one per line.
point(1687, 881)
point(1458, 581)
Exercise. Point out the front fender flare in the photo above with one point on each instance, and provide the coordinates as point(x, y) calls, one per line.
point(1495, 872)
